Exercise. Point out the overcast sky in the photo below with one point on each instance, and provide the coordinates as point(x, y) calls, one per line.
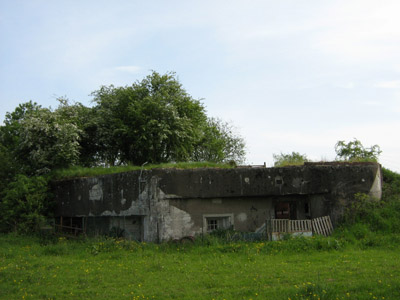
point(290, 75)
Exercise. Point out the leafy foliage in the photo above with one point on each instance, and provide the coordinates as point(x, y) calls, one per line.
point(391, 185)
point(291, 159)
point(367, 216)
point(85, 120)
point(38, 140)
point(47, 141)
point(10, 132)
point(153, 121)
point(219, 143)
point(355, 151)
point(156, 121)
point(7, 170)
point(24, 204)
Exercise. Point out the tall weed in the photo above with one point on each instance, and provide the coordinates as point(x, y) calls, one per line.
point(372, 222)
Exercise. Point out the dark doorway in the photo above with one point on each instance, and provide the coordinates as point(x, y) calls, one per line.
point(285, 210)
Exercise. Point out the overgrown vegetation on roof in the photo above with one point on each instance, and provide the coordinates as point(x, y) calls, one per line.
point(291, 159)
point(76, 171)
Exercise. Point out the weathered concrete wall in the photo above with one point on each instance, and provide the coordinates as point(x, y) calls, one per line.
point(173, 203)
point(308, 179)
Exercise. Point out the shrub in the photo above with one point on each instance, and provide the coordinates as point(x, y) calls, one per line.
point(24, 205)
point(355, 151)
point(291, 159)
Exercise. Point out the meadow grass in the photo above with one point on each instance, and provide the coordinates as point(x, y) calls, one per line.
point(316, 268)
point(78, 171)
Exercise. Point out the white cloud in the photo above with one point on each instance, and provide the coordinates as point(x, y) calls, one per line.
point(392, 84)
point(128, 69)
point(372, 103)
point(347, 85)
point(360, 31)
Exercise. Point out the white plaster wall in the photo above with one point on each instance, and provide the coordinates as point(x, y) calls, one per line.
point(176, 223)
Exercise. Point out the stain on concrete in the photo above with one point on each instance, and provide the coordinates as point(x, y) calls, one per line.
point(96, 193)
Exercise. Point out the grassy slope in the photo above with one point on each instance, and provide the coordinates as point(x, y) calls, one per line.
point(110, 269)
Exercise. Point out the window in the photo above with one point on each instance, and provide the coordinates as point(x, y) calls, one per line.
point(212, 224)
point(217, 222)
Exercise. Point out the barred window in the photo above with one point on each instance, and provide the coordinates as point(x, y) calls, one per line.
point(212, 224)
point(218, 222)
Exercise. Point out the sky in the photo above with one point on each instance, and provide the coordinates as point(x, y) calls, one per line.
point(289, 75)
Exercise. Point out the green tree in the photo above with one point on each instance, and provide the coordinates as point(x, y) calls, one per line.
point(10, 138)
point(291, 159)
point(39, 140)
point(154, 120)
point(8, 168)
point(86, 121)
point(219, 143)
point(355, 151)
point(10, 132)
point(35, 140)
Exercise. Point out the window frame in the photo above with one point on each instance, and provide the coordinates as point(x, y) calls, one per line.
point(218, 217)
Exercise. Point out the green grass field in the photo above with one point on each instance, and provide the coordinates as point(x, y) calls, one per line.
point(116, 269)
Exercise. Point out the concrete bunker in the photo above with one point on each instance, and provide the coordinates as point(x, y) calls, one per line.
point(163, 204)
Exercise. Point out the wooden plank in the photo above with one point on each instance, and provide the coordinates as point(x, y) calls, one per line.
point(316, 224)
point(309, 228)
point(323, 227)
point(329, 224)
point(69, 227)
point(315, 228)
point(318, 228)
point(326, 227)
